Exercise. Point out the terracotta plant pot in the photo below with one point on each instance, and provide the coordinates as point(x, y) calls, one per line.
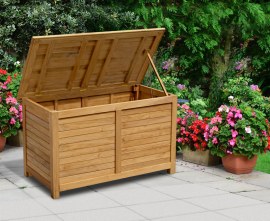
point(238, 164)
point(2, 143)
point(204, 158)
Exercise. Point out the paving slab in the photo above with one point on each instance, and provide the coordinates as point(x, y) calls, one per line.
point(117, 214)
point(188, 191)
point(263, 195)
point(259, 212)
point(224, 201)
point(165, 209)
point(16, 209)
point(196, 177)
point(40, 218)
point(136, 196)
point(233, 186)
point(204, 216)
point(6, 185)
point(76, 200)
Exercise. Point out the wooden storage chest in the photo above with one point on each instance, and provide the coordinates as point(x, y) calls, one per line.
point(87, 118)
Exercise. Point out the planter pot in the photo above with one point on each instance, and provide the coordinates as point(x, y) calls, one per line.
point(238, 164)
point(16, 140)
point(2, 143)
point(204, 158)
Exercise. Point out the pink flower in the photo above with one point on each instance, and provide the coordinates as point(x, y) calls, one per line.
point(215, 140)
point(21, 116)
point(248, 130)
point(238, 114)
point(206, 136)
point(230, 114)
point(234, 133)
point(213, 130)
point(223, 108)
point(179, 140)
point(254, 87)
point(264, 133)
point(232, 142)
point(13, 110)
point(12, 121)
point(11, 100)
point(20, 107)
point(177, 120)
point(184, 106)
point(216, 119)
point(231, 122)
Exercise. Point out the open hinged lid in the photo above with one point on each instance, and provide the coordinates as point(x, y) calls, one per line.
point(77, 65)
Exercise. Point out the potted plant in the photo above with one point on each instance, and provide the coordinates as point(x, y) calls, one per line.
point(10, 109)
point(238, 134)
point(190, 136)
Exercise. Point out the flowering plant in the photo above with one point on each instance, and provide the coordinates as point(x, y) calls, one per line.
point(10, 109)
point(237, 130)
point(191, 129)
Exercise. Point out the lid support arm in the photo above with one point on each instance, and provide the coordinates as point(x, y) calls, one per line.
point(156, 72)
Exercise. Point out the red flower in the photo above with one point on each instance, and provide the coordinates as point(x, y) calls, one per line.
point(3, 72)
point(9, 79)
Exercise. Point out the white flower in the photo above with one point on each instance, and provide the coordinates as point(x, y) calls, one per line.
point(17, 64)
point(230, 97)
point(248, 129)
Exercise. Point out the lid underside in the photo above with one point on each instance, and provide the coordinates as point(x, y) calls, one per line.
point(78, 65)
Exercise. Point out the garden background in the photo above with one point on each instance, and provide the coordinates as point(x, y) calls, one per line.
point(212, 50)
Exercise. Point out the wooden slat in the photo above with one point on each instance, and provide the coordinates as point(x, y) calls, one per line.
point(126, 144)
point(87, 118)
point(146, 122)
point(157, 74)
point(39, 161)
point(145, 159)
point(87, 137)
point(28, 67)
point(146, 109)
point(39, 150)
point(54, 144)
point(146, 152)
point(86, 124)
point(37, 139)
point(107, 62)
point(173, 137)
point(89, 130)
point(91, 65)
point(26, 173)
point(40, 178)
point(44, 67)
point(86, 175)
point(146, 128)
point(118, 128)
point(77, 64)
point(42, 148)
point(87, 163)
point(37, 126)
point(36, 119)
point(87, 144)
point(87, 157)
point(134, 61)
point(146, 135)
point(151, 52)
point(39, 134)
point(89, 150)
point(36, 109)
point(142, 147)
point(86, 180)
point(152, 91)
point(38, 170)
point(87, 170)
point(146, 115)
point(146, 164)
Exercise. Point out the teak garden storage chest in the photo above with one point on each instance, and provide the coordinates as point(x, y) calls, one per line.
point(87, 118)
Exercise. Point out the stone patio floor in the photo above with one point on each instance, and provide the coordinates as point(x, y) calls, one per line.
point(194, 193)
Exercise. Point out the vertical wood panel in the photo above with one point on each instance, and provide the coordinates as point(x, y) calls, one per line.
point(91, 65)
point(44, 67)
point(77, 65)
point(26, 173)
point(118, 137)
point(54, 157)
point(107, 62)
point(134, 61)
point(173, 136)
